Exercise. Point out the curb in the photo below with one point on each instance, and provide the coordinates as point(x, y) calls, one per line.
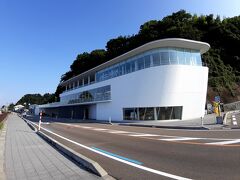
point(167, 127)
point(87, 163)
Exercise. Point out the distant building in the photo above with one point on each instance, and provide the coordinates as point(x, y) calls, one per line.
point(18, 107)
point(4, 109)
point(34, 109)
point(160, 80)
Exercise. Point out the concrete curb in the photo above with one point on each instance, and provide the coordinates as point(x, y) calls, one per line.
point(87, 163)
point(167, 127)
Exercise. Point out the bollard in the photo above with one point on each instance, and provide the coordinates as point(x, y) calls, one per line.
point(110, 120)
point(40, 121)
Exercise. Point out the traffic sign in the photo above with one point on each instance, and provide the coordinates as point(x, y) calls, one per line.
point(217, 99)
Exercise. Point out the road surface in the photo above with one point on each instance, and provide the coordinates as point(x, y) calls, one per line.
point(151, 153)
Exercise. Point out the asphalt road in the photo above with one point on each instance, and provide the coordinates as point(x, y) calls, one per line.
point(180, 153)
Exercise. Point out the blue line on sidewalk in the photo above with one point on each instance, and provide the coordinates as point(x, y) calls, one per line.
point(117, 156)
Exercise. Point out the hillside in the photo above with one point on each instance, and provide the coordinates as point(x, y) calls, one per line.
point(223, 59)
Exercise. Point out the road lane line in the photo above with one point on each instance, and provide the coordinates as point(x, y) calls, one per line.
point(118, 159)
point(85, 127)
point(180, 139)
point(100, 129)
point(117, 132)
point(235, 123)
point(225, 142)
point(142, 135)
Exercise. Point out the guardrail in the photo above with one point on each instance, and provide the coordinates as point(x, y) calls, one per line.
point(232, 106)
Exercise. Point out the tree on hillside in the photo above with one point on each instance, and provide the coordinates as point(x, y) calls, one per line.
point(11, 107)
point(37, 99)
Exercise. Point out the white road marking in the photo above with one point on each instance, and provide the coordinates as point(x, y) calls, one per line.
point(117, 132)
point(85, 127)
point(142, 135)
point(225, 142)
point(136, 134)
point(235, 123)
point(45, 123)
point(100, 129)
point(118, 159)
point(181, 139)
point(234, 119)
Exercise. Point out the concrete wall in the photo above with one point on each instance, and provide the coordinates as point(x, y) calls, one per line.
point(160, 86)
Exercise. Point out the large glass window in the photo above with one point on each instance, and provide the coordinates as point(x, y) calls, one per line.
point(188, 57)
point(98, 94)
point(173, 57)
point(147, 61)
point(140, 63)
point(157, 57)
point(130, 114)
point(164, 58)
point(146, 113)
point(181, 56)
point(165, 113)
point(152, 113)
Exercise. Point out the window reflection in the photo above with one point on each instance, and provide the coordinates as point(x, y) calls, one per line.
point(98, 94)
point(152, 113)
point(157, 57)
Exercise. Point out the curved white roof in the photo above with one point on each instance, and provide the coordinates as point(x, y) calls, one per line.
point(168, 42)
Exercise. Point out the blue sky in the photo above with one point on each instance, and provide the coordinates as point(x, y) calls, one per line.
point(40, 39)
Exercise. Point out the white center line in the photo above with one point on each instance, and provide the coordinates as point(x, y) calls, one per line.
point(142, 135)
point(180, 139)
point(100, 129)
point(85, 127)
point(136, 134)
point(117, 132)
point(225, 142)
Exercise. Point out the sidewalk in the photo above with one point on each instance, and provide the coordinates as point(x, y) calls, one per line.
point(209, 122)
point(27, 156)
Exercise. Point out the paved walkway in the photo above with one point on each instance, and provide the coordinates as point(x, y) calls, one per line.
point(27, 156)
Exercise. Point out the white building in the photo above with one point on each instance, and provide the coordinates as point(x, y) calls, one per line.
point(18, 107)
point(160, 80)
point(34, 109)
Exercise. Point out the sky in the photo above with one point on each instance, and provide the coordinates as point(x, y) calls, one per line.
point(40, 39)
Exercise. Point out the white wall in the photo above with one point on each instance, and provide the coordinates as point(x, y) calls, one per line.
point(169, 85)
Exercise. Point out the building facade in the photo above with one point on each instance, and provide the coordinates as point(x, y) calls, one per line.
point(161, 80)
